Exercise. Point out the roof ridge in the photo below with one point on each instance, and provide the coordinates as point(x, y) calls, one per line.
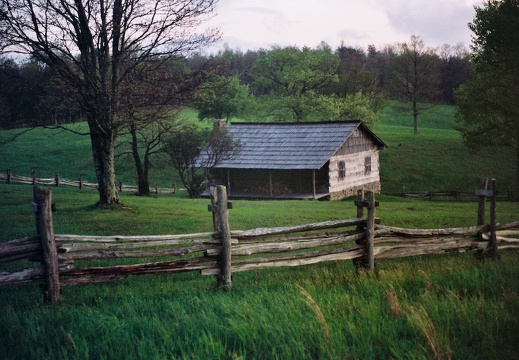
point(298, 123)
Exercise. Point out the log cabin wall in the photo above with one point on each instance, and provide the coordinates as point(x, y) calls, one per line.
point(354, 166)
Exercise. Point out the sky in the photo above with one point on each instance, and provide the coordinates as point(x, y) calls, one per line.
point(256, 24)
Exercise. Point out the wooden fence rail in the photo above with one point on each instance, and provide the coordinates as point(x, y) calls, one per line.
point(66, 259)
point(9, 178)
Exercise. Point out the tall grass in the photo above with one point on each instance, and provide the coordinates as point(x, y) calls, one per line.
point(450, 306)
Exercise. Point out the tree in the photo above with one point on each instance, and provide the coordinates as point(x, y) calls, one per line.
point(221, 98)
point(413, 76)
point(488, 105)
point(94, 44)
point(293, 80)
point(150, 107)
point(192, 152)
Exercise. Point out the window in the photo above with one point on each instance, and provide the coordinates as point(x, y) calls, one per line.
point(342, 170)
point(367, 165)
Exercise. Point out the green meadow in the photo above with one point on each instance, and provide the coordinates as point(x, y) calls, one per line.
point(426, 307)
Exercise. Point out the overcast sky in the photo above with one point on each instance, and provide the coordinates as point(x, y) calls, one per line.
point(255, 24)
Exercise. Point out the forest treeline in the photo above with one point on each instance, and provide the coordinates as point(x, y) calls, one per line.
point(293, 82)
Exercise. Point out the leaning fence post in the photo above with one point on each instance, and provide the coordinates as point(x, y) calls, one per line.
point(42, 206)
point(493, 222)
point(483, 183)
point(370, 230)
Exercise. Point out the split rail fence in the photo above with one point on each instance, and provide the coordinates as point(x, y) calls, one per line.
point(9, 178)
point(65, 259)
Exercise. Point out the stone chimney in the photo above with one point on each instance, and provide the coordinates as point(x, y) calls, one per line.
point(220, 123)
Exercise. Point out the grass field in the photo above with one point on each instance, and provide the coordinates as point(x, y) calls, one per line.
point(436, 159)
point(441, 307)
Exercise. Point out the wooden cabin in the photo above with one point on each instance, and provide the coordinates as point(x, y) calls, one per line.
point(317, 160)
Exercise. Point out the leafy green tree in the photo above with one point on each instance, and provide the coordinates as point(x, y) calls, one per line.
point(488, 106)
point(222, 98)
point(293, 79)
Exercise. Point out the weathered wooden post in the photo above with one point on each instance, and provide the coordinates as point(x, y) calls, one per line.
point(481, 193)
point(80, 179)
point(8, 175)
point(42, 206)
point(156, 189)
point(219, 207)
point(368, 260)
point(358, 262)
point(226, 237)
point(33, 175)
point(494, 254)
point(120, 186)
point(56, 179)
point(370, 230)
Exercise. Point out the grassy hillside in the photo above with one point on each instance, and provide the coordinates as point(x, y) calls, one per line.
point(435, 159)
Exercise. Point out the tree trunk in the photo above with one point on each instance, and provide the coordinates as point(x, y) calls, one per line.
point(516, 195)
point(415, 117)
point(104, 163)
point(143, 184)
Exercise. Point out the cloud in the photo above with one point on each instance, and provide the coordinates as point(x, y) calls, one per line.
point(253, 24)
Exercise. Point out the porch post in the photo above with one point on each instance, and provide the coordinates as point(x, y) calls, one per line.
point(313, 184)
point(228, 182)
point(270, 183)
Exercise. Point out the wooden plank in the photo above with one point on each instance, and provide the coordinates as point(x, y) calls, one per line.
point(277, 247)
point(137, 238)
point(299, 228)
point(429, 232)
point(390, 252)
point(135, 254)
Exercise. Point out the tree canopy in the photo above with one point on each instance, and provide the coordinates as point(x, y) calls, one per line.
point(488, 105)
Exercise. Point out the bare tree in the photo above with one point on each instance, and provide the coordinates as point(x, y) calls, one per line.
point(192, 153)
point(94, 45)
point(413, 76)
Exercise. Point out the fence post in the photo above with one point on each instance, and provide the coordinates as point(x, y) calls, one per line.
point(80, 179)
point(33, 175)
point(56, 179)
point(8, 175)
point(219, 207)
point(483, 183)
point(42, 206)
point(370, 230)
point(358, 262)
point(493, 222)
point(368, 260)
point(156, 189)
point(225, 272)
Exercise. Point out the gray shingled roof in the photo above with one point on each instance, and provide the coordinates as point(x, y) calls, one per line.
point(289, 145)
